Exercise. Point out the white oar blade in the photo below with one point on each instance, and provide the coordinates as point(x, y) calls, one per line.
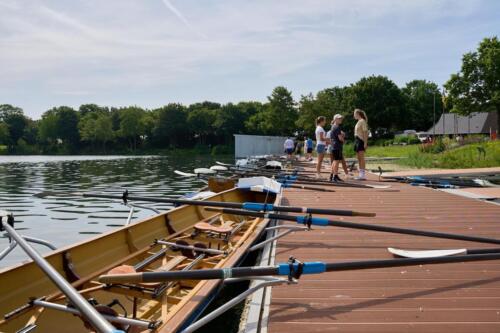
point(218, 168)
point(425, 253)
point(204, 171)
point(224, 164)
point(185, 174)
point(379, 186)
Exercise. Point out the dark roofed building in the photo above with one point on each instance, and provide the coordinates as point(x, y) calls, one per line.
point(476, 123)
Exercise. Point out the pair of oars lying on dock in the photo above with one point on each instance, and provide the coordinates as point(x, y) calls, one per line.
point(296, 269)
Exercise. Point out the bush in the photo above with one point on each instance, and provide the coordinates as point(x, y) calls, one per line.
point(412, 140)
point(406, 140)
point(349, 150)
point(435, 147)
point(222, 150)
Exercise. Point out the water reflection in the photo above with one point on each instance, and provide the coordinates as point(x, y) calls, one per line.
point(66, 219)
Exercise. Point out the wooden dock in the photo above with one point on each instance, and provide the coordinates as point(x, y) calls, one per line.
point(457, 298)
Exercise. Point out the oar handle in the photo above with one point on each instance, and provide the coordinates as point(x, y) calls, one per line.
point(294, 269)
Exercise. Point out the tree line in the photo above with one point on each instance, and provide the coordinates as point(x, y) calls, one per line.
point(94, 128)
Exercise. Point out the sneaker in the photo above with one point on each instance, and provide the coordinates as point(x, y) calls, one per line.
point(360, 178)
point(331, 177)
point(336, 178)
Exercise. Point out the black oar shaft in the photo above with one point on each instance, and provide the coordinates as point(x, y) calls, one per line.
point(288, 269)
point(370, 264)
point(166, 200)
point(239, 205)
point(372, 227)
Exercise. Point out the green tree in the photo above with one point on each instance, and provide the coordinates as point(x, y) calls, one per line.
point(230, 120)
point(381, 99)
point(201, 118)
point(16, 122)
point(47, 128)
point(171, 129)
point(67, 126)
point(4, 133)
point(420, 96)
point(131, 125)
point(201, 122)
point(327, 102)
point(104, 129)
point(477, 86)
point(281, 112)
point(92, 108)
point(96, 128)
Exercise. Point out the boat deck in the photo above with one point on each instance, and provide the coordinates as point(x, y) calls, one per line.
point(462, 297)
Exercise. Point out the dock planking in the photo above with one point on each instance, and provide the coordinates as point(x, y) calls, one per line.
point(460, 297)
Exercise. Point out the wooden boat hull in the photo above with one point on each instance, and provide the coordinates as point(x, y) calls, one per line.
point(82, 262)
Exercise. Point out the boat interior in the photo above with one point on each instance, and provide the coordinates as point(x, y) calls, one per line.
point(185, 238)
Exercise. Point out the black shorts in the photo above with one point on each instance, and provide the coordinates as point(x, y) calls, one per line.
point(309, 150)
point(359, 145)
point(337, 155)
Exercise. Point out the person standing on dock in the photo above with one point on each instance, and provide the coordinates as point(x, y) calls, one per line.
point(308, 148)
point(321, 141)
point(337, 138)
point(289, 147)
point(329, 151)
point(361, 140)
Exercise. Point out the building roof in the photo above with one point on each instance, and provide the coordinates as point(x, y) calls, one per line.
point(476, 123)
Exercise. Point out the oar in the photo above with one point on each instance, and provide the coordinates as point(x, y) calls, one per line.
point(354, 225)
point(255, 206)
point(77, 300)
point(284, 183)
point(291, 269)
point(438, 253)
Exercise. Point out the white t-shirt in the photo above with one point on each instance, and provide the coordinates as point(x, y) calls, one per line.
point(320, 130)
point(289, 144)
point(328, 134)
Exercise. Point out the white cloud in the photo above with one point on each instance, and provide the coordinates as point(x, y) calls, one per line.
point(99, 47)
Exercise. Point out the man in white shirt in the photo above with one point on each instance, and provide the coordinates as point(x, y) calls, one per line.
point(289, 147)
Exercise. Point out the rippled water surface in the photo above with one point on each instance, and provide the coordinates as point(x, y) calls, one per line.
point(66, 218)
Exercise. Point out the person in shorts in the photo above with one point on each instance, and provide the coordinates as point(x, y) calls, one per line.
point(337, 138)
point(321, 141)
point(361, 140)
point(308, 147)
point(289, 146)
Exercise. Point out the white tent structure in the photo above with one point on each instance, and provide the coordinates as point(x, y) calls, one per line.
point(254, 145)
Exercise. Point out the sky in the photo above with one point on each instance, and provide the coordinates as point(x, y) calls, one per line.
point(154, 52)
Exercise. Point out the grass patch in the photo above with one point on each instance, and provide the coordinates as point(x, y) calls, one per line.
point(392, 151)
point(462, 157)
point(382, 151)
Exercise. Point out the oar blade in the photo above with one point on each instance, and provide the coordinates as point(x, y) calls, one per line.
point(425, 253)
point(218, 168)
point(204, 171)
point(223, 164)
point(184, 174)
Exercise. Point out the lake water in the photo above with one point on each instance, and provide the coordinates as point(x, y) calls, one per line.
point(67, 218)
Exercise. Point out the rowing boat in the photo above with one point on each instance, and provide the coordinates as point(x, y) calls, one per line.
point(187, 237)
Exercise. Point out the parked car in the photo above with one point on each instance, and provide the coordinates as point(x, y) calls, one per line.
point(409, 132)
point(423, 137)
